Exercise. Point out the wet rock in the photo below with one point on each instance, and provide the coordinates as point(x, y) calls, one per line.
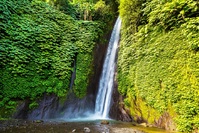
point(3, 129)
point(144, 124)
point(23, 127)
point(106, 130)
point(118, 110)
point(22, 110)
point(38, 121)
point(11, 125)
point(166, 122)
point(105, 122)
point(87, 130)
point(46, 109)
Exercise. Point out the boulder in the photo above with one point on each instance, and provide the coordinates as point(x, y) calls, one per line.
point(105, 122)
point(87, 130)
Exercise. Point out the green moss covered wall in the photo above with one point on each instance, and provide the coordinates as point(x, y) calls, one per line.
point(159, 61)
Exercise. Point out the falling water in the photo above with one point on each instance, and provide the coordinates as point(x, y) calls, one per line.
point(103, 100)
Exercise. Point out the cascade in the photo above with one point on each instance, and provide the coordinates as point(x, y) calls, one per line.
point(73, 76)
point(103, 100)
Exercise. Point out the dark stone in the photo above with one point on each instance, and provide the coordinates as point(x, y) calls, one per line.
point(87, 130)
point(46, 109)
point(99, 55)
point(117, 110)
point(22, 110)
point(74, 130)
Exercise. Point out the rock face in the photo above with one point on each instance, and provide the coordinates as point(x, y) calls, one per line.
point(104, 122)
point(22, 110)
point(117, 110)
point(46, 109)
point(149, 117)
point(166, 122)
point(99, 55)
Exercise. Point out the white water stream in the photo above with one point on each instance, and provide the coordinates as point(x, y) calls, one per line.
point(103, 100)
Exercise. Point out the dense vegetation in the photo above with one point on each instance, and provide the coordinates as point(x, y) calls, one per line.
point(158, 65)
point(39, 43)
point(159, 60)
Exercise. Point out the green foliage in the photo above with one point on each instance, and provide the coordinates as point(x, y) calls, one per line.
point(33, 48)
point(82, 73)
point(64, 6)
point(159, 62)
point(103, 12)
point(171, 14)
point(6, 110)
point(39, 44)
point(33, 105)
point(86, 43)
point(84, 9)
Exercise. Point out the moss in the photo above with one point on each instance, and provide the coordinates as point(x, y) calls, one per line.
point(158, 62)
point(33, 105)
point(142, 112)
point(7, 111)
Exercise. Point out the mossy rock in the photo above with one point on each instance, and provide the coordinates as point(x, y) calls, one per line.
point(104, 122)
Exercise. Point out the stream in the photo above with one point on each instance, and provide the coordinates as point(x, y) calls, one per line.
point(59, 126)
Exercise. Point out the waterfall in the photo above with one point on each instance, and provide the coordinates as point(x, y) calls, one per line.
point(73, 76)
point(103, 100)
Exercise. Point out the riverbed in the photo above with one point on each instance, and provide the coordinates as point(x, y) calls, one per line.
point(55, 126)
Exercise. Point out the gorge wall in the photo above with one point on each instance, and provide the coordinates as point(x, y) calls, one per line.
point(157, 72)
point(158, 62)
